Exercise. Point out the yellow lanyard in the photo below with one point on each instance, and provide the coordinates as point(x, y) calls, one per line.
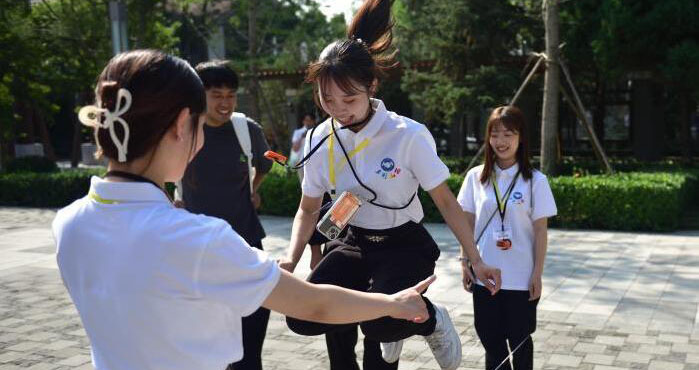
point(502, 201)
point(343, 162)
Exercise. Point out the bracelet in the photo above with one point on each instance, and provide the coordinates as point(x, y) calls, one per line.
point(462, 259)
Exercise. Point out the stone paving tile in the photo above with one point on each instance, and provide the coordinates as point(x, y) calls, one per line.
point(610, 302)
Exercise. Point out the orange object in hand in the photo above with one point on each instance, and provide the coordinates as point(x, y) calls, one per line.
point(274, 156)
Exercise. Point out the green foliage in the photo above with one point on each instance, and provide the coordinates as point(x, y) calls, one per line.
point(282, 27)
point(429, 208)
point(471, 43)
point(631, 201)
point(280, 192)
point(608, 39)
point(44, 189)
point(31, 164)
point(458, 165)
point(55, 49)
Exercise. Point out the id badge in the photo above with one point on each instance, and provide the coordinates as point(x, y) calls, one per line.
point(339, 215)
point(503, 239)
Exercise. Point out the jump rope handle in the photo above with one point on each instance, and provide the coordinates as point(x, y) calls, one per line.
point(274, 156)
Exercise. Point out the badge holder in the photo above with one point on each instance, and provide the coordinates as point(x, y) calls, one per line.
point(339, 215)
point(503, 239)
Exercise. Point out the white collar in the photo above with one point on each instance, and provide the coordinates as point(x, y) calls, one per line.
point(509, 172)
point(126, 191)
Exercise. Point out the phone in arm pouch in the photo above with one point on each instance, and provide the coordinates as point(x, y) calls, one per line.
point(339, 215)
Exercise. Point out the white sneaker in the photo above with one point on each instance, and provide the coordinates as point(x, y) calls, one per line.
point(391, 351)
point(445, 342)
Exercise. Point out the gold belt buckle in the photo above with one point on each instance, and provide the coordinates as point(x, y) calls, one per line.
point(376, 238)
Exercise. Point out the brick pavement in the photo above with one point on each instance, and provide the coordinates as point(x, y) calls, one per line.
point(611, 301)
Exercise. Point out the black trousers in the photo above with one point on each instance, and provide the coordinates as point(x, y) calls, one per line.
point(341, 343)
point(506, 316)
point(254, 331)
point(381, 261)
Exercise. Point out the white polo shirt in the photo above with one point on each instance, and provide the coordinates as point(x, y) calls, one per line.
point(394, 155)
point(528, 202)
point(157, 287)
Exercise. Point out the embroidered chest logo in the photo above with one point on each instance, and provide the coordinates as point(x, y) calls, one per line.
point(517, 198)
point(388, 169)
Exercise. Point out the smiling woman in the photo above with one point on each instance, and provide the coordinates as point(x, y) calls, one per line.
point(515, 242)
point(382, 158)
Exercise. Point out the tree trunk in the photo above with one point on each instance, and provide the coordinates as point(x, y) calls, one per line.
point(685, 131)
point(457, 137)
point(252, 51)
point(549, 117)
point(600, 108)
point(45, 136)
point(76, 154)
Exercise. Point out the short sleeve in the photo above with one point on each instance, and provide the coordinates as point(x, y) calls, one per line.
point(232, 273)
point(425, 164)
point(542, 198)
point(312, 185)
point(466, 196)
point(259, 147)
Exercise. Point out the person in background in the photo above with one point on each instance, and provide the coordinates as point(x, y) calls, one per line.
point(508, 203)
point(223, 181)
point(297, 139)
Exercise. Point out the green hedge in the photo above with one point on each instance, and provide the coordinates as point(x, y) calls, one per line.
point(280, 192)
point(31, 164)
point(630, 201)
point(570, 166)
point(44, 189)
point(627, 201)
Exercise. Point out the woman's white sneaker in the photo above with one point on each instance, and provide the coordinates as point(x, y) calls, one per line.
point(391, 351)
point(444, 341)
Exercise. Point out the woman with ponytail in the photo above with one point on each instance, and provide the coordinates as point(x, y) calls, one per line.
point(380, 158)
point(158, 287)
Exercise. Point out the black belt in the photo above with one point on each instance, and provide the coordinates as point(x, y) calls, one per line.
point(382, 235)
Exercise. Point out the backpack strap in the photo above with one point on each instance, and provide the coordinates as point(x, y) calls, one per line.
point(242, 132)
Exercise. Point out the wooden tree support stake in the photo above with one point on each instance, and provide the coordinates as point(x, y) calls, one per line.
point(526, 82)
point(580, 112)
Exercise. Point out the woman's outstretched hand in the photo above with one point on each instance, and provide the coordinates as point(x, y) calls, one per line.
point(409, 303)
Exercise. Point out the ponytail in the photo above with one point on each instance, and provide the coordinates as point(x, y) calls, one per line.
point(356, 62)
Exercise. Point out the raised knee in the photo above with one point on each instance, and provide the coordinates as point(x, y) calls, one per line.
point(303, 327)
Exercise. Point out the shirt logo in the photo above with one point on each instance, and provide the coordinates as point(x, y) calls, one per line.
point(387, 164)
point(517, 198)
point(388, 169)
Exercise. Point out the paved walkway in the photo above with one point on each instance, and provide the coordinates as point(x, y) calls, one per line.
point(611, 301)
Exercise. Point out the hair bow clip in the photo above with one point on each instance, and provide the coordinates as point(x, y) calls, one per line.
point(91, 116)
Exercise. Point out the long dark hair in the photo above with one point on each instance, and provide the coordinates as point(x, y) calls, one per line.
point(360, 57)
point(513, 119)
point(161, 86)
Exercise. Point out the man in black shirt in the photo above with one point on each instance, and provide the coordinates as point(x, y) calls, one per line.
point(217, 183)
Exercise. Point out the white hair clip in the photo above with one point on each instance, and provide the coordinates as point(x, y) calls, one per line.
point(90, 116)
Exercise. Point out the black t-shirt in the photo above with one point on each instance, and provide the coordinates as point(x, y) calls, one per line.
point(216, 182)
